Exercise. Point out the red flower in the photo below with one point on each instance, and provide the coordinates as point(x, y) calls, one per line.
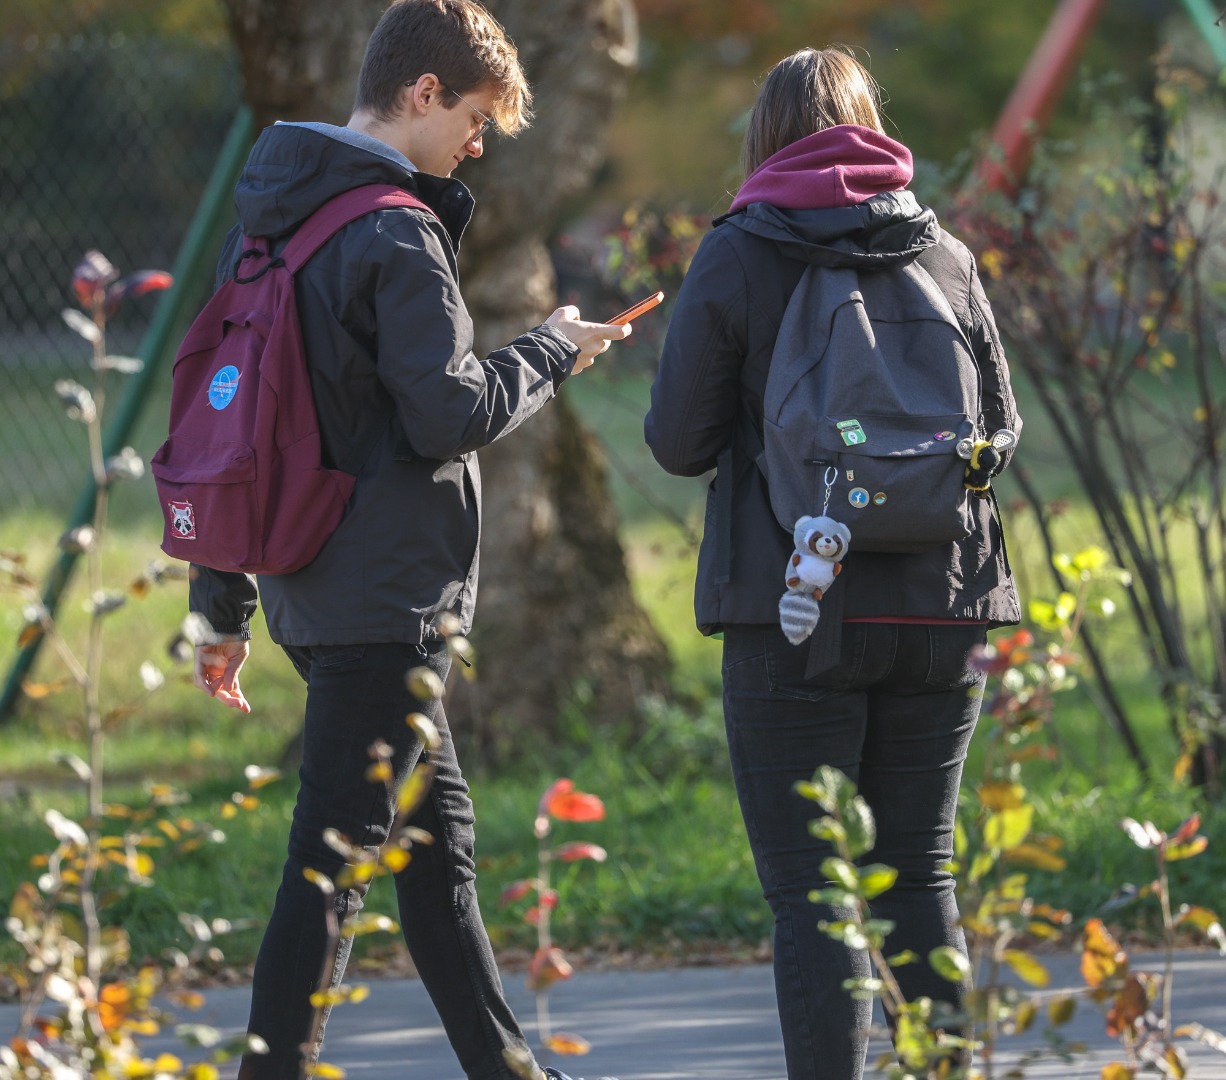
point(580, 849)
point(563, 802)
point(516, 891)
point(143, 281)
point(90, 278)
point(548, 967)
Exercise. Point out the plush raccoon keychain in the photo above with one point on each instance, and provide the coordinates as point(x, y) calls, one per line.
point(821, 542)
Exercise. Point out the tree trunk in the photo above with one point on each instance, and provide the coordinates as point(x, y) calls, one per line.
point(560, 640)
point(559, 634)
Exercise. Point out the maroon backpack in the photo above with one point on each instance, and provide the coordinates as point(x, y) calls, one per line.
point(240, 477)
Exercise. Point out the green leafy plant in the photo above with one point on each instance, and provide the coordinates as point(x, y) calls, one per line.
point(922, 1045)
point(997, 843)
point(76, 962)
point(1106, 279)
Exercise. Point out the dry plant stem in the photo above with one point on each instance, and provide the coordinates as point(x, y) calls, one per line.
point(332, 925)
point(1168, 929)
point(93, 710)
point(543, 936)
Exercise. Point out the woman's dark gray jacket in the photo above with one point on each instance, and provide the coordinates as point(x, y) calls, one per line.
point(389, 343)
point(716, 357)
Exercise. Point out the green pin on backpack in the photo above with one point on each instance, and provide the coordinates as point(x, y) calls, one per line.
point(851, 432)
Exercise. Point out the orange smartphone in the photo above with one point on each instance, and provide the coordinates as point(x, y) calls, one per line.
point(638, 309)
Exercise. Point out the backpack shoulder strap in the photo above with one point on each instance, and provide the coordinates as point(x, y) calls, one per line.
point(804, 330)
point(936, 296)
point(336, 213)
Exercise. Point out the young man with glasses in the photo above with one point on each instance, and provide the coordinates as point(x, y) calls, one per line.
point(389, 342)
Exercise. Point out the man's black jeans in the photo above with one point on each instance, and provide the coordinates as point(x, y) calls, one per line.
point(896, 715)
point(356, 695)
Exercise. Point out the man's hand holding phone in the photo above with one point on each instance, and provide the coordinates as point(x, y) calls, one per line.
point(594, 338)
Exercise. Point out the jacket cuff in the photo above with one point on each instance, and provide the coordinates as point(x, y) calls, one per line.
point(570, 351)
point(227, 600)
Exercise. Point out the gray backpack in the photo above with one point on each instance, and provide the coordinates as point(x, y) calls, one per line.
point(871, 409)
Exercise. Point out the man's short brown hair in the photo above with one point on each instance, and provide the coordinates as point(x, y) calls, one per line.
point(460, 42)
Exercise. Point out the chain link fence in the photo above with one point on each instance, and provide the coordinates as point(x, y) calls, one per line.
point(111, 118)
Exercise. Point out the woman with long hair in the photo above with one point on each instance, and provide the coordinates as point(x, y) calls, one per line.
point(892, 695)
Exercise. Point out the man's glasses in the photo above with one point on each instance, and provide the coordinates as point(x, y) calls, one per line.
point(486, 121)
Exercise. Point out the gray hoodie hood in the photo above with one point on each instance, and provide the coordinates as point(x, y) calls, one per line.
point(294, 169)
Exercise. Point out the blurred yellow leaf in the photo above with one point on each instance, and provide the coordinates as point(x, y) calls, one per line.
point(999, 795)
point(424, 684)
point(563, 1042)
point(1102, 959)
point(259, 776)
point(414, 790)
point(1061, 1010)
point(379, 773)
point(38, 691)
point(1007, 829)
point(424, 728)
point(1175, 852)
point(1090, 559)
point(1201, 917)
point(1024, 1017)
point(1027, 968)
point(1176, 1062)
point(325, 1071)
point(981, 864)
point(1038, 856)
point(369, 924)
point(1182, 247)
point(1043, 930)
point(395, 859)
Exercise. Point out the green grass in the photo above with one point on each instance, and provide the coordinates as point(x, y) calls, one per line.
point(679, 874)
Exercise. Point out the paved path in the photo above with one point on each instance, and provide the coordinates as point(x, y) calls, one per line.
point(712, 1023)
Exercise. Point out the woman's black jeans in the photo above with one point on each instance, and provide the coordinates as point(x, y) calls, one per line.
point(356, 695)
point(896, 715)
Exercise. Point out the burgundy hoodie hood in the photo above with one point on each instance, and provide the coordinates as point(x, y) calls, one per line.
point(835, 167)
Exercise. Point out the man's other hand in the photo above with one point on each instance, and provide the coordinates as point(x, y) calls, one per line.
point(217, 668)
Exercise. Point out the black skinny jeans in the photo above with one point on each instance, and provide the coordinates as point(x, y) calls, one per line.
point(356, 694)
point(896, 715)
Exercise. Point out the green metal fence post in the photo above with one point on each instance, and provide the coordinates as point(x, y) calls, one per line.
point(1212, 26)
point(192, 262)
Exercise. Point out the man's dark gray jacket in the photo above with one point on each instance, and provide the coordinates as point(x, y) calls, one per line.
point(389, 342)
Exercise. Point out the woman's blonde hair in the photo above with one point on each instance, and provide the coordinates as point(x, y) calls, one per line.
point(809, 91)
